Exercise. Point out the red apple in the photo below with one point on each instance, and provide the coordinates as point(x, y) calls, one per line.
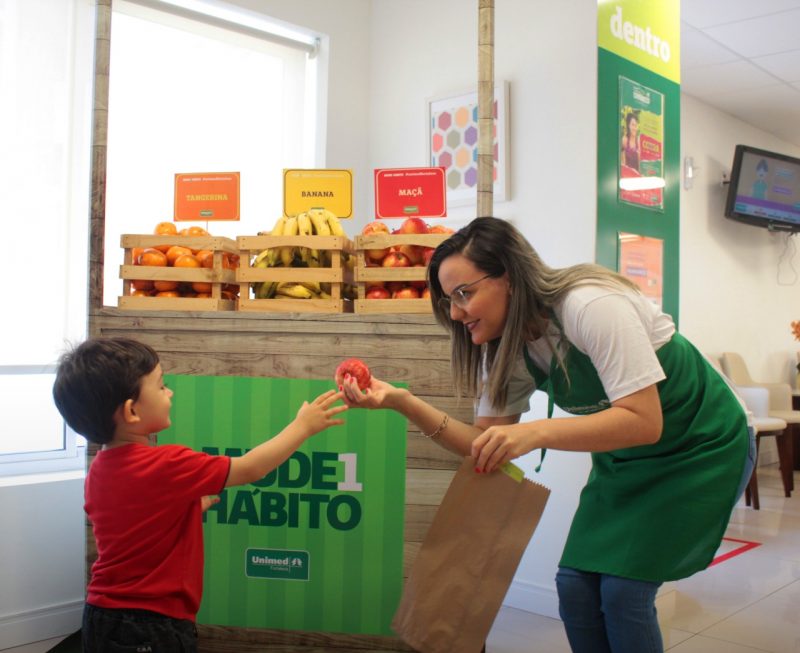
point(396, 260)
point(426, 294)
point(377, 292)
point(394, 286)
point(375, 227)
point(413, 252)
point(440, 229)
point(413, 226)
point(427, 254)
point(355, 368)
point(406, 293)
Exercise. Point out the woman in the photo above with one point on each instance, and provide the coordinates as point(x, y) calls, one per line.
point(671, 449)
point(630, 141)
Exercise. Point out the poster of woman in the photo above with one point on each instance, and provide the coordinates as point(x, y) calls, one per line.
point(641, 139)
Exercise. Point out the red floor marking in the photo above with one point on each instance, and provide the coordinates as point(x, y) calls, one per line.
point(745, 546)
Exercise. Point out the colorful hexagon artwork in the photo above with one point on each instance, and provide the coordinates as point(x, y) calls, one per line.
point(454, 143)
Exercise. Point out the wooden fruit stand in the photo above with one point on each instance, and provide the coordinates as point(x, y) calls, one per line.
point(402, 348)
point(398, 347)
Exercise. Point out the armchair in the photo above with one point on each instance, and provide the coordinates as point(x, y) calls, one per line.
point(779, 406)
point(756, 400)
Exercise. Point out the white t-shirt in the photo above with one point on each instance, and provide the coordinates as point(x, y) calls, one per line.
point(618, 329)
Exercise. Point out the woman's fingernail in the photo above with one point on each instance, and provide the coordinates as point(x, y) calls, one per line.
point(477, 471)
point(340, 388)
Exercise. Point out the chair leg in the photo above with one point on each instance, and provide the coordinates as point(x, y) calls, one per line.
point(785, 460)
point(751, 491)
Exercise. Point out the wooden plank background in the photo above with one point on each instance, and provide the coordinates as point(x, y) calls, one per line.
point(407, 348)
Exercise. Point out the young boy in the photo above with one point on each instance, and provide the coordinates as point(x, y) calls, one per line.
point(145, 502)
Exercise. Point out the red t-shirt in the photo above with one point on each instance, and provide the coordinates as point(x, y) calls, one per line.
point(144, 505)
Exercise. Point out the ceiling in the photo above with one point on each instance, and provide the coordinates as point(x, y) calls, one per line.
point(743, 57)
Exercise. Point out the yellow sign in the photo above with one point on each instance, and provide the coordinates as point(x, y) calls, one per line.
point(646, 32)
point(308, 189)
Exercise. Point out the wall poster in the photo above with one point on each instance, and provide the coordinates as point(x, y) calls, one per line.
point(641, 259)
point(641, 151)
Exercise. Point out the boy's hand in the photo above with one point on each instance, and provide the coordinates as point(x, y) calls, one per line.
point(319, 414)
point(207, 502)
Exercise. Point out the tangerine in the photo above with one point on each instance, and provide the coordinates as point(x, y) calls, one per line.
point(166, 229)
point(186, 261)
point(136, 252)
point(141, 293)
point(206, 258)
point(175, 251)
point(142, 284)
point(161, 286)
point(168, 293)
point(201, 287)
point(153, 256)
point(197, 231)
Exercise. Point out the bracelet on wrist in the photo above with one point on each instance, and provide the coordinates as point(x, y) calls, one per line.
point(442, 426)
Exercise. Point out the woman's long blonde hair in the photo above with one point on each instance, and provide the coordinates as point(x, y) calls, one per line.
point(496, 247)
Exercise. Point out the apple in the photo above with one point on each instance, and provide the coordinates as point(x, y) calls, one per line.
point(440, 229)
point(394, 286)
point(406, 293)
point(375, 227)
point(413, 252)
point(426, 294)
point(427, 254)
point(375, 256)
point(377, 292)
point(413, 226)
point(355, 368)
point(396, 260)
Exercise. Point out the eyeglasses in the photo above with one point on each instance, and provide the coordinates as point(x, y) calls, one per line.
point(460, 296)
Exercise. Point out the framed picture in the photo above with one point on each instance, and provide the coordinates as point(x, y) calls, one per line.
point(641, 139)
point(641, 259)
point(453, 143)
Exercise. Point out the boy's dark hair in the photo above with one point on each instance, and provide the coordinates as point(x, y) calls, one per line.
point(97, 377)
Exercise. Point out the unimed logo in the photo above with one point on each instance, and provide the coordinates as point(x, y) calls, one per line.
point(277, 564)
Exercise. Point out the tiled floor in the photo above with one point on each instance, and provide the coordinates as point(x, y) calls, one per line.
point(750, 603)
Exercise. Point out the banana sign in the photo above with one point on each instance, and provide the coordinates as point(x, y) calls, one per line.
point(315, 545)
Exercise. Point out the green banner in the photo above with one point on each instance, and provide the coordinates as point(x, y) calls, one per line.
point(316, 545)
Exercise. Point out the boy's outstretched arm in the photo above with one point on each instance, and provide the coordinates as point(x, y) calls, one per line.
point(311, 419)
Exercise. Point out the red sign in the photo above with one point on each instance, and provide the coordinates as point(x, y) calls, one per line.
point(207, 196)
point(403, 192)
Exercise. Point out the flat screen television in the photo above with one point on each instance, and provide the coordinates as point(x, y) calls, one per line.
point(764, 189)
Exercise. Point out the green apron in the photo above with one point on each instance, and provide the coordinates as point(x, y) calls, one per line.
point(655, 512)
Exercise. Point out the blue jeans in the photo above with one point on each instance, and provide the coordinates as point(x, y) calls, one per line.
point(608, 614)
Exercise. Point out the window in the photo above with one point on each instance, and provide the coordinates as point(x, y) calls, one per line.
point(193, 92)
point(46, 49)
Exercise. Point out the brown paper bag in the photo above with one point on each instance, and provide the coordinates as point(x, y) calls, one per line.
point(468, 559)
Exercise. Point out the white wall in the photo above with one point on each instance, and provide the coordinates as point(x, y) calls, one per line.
point(346, 24)
point(548, 53)
point(42, 553)
point(736, 292)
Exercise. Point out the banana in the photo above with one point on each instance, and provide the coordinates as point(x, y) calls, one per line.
point(321, 226)
point(304, 227)
point(289, 229)
point(333, 223)
point(265, 289)
point(313, 286)
point(271, 254)
point(296, 290)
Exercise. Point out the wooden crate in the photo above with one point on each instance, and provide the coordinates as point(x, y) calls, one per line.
point(217, 275)
point(364, 275)
point(336, 274)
